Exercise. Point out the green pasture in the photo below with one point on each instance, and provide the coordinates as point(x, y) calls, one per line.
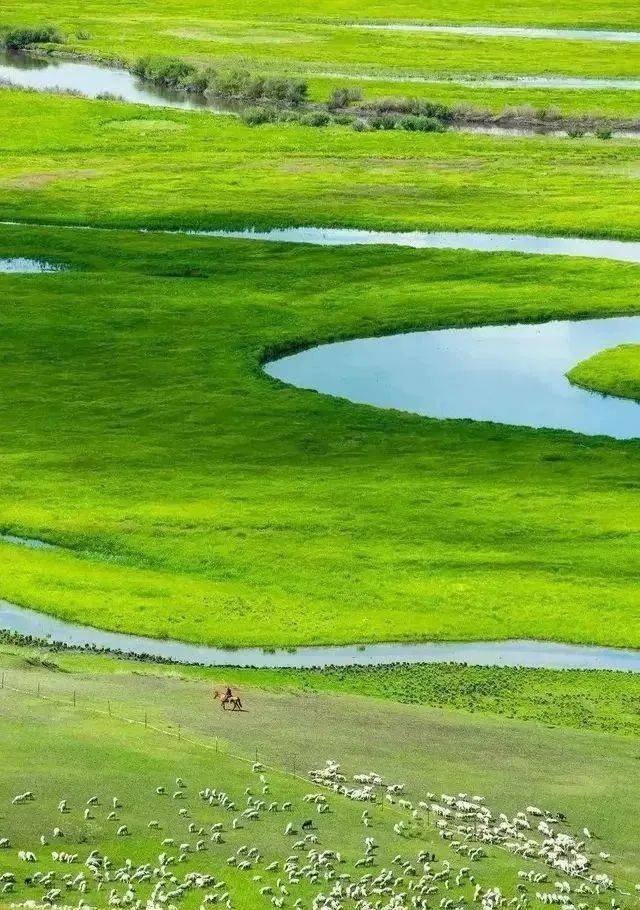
point(133, 730)
point(194, 498)
point(104, 163)
point(327, 42)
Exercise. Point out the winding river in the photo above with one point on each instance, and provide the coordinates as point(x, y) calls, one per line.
point(93, 80)
point(505, 653)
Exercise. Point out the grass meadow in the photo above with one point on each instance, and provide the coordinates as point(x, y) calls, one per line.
point(192, 497)
point(135, 727)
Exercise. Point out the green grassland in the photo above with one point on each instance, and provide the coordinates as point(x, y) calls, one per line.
point(612, 372)
point(316, 41)
point(70, 160)
point(195, 498)
point(121, 739)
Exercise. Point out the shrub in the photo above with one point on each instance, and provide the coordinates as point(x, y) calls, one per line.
point(196, 83)
point(169, 72)
point(256, 116)
point(18, 38)
point(416, 106)
point(604, 132)
point(343, 96)
point(343, 119)
point(241, 85)
point(414, 124)
point(550, 113)
point(575, 132)
point(83, 35)
point(315, 118)
point(361, 125)
point(384, 122)
point(108, 96)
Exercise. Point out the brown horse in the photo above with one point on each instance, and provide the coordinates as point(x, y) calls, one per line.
point(229, 701)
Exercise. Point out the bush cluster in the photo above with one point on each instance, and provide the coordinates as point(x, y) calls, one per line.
point(16, 39)
point(257, 115)
point(232, 85)
point(343, 96)
point(417, 107)
point(413, 123)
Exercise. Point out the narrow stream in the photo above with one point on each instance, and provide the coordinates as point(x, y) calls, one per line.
point(505, 653)
point(480, 241)
point(507, 31)
point(470, 81)
point(93, 81)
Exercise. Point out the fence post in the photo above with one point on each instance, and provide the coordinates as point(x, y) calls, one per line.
point(3, 680)
point(145, 718)
point(109, 708)
point(178, 731)
point(38, 690)
point(74, 698)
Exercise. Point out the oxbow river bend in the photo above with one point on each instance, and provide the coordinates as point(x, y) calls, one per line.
point(505, 654)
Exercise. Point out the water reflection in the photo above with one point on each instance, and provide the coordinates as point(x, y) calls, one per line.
point(92, 81)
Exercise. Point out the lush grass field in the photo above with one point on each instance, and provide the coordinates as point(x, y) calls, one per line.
point(612, 372)
point(315, 40)
point(69, 160)
point(513, 764)
point(197, 499)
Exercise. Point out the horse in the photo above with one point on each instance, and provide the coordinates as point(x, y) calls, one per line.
point(228, 701)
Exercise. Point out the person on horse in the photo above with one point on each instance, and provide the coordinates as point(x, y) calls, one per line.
point(230, 697)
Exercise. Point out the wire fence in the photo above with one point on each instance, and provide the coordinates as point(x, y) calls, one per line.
point(218, 746)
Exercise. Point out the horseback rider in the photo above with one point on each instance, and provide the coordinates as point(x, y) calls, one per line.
point(230, 698)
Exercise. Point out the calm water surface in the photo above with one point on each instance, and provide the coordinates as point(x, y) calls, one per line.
point(91, 80)
point(510, 374)
point(507, 653)
point(619, 250)
point(499, 31)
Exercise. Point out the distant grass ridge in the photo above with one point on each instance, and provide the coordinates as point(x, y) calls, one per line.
point(612, 372)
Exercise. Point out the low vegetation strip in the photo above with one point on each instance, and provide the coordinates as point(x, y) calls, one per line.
point(613, 372)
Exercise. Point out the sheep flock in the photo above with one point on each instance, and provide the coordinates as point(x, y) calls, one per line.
point(437, 852)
